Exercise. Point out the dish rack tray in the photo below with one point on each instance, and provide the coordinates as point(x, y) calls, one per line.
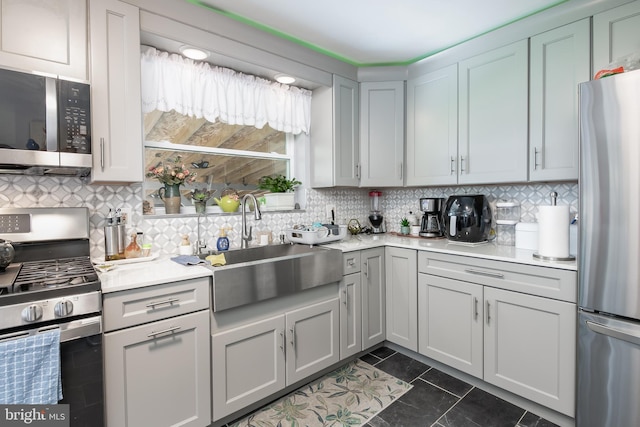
point(315, 237)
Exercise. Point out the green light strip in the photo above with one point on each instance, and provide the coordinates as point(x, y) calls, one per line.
point(308, 45)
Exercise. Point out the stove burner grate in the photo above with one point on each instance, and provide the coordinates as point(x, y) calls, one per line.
point(56, 273)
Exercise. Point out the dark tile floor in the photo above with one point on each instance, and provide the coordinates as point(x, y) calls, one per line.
point(440, 400)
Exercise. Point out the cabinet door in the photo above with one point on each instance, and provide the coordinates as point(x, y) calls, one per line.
point(373, 297)
point(450, 322)
point(335, 144)
point(382, 134)
point(530, 347)
point(115, 90)
point(350, 315)
point(159, 373)
point(313, 339)
point(402, 297)
point(46, 36)
point(432, 128)
point(346, 158)
point(559, 61)
point(493, 106)
point(248, 364)
point(615, 34)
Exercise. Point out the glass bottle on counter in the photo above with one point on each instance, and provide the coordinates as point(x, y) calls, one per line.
point(133, 250)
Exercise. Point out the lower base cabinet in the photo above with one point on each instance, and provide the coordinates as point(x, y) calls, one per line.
point(522, 343)
point(350, 315)
point(157, 373)
point(253, 361)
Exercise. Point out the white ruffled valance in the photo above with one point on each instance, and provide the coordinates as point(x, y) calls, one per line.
point(197, 89)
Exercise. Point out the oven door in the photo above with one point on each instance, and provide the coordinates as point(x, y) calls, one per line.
point(81, 364)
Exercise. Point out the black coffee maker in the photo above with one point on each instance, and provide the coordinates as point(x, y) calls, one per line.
point(431, 225)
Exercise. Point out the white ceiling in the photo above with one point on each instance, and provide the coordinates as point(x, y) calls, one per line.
point(380, 32)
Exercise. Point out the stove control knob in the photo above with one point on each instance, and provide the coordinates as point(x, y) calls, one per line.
point(63, 308)
point(32, 313)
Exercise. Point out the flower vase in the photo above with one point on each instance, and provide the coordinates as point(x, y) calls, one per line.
point(200, 205)
point(170, 195)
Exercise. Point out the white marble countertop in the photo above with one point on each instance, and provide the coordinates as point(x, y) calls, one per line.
point(490, 251)
point(158, 271)
point(163, 270)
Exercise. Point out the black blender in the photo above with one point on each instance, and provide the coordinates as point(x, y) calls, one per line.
point(375, 217)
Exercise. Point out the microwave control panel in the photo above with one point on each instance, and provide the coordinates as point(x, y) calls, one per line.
point(74, 117)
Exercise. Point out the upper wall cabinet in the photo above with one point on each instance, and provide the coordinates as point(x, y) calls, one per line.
point(46, 36)
point(115, 92)
point(493, 112)
point(432, 128)
point(334, 134)
point(559, 62)
point(382, 134)
point(615, 34)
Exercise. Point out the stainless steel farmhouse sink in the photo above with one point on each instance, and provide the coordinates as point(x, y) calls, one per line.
point(260, 273)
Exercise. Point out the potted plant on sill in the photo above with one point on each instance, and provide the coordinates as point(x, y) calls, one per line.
point(200, 197)
point(280, 196)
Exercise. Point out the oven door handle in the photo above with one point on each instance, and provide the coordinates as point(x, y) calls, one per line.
point(76, 329)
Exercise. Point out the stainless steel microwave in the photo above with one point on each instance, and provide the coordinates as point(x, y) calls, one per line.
point(45, 125)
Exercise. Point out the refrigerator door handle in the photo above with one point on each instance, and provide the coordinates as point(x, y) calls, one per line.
point(613, 332)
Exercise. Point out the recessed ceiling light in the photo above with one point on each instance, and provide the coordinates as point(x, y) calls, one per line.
point(193, 52)
point(284, 79)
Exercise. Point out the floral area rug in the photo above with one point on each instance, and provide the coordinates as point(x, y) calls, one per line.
point(348, 396)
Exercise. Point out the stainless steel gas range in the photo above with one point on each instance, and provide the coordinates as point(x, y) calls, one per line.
point(51, 286)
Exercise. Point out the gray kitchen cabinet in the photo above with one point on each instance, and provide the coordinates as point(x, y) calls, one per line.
point(530, 348)
point(401, 297)
point(382, 134)
point(615, 34)
point(335, 142)
point(373, 297)
point(115, 92)
point(45, 36)
point(313, 339)
point(350, 315)
point(451, 323)
point(560, 60)
point(254, 360)
point(496, 320)
point(157, 361)
point(493, 116)
point(248, 364)
point(432, 128)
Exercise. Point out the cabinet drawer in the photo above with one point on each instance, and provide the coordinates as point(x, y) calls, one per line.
point(351, 262)
point(542, 281)
point(142, 305)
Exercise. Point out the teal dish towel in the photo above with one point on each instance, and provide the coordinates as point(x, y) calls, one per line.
point(30, 369)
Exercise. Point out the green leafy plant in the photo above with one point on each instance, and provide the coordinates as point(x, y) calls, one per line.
point(404, 222)
point(201, 195)
point(278, 183)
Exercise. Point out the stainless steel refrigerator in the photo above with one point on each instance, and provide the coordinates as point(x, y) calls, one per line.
point(609, 256)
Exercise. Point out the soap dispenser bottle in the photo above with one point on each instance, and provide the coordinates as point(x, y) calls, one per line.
point(223, 241)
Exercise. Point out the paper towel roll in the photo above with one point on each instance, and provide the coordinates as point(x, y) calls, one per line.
point(553, 232)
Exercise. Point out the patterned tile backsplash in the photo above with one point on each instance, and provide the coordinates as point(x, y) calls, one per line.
point(165, 233)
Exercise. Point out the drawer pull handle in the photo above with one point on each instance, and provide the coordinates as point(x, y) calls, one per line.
point(164, 331)
point(475, 304)
point(346, 298)
point(351, 262)
point(282, 341)
point(169, 301)
point(366, 269)
point(485, 273)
